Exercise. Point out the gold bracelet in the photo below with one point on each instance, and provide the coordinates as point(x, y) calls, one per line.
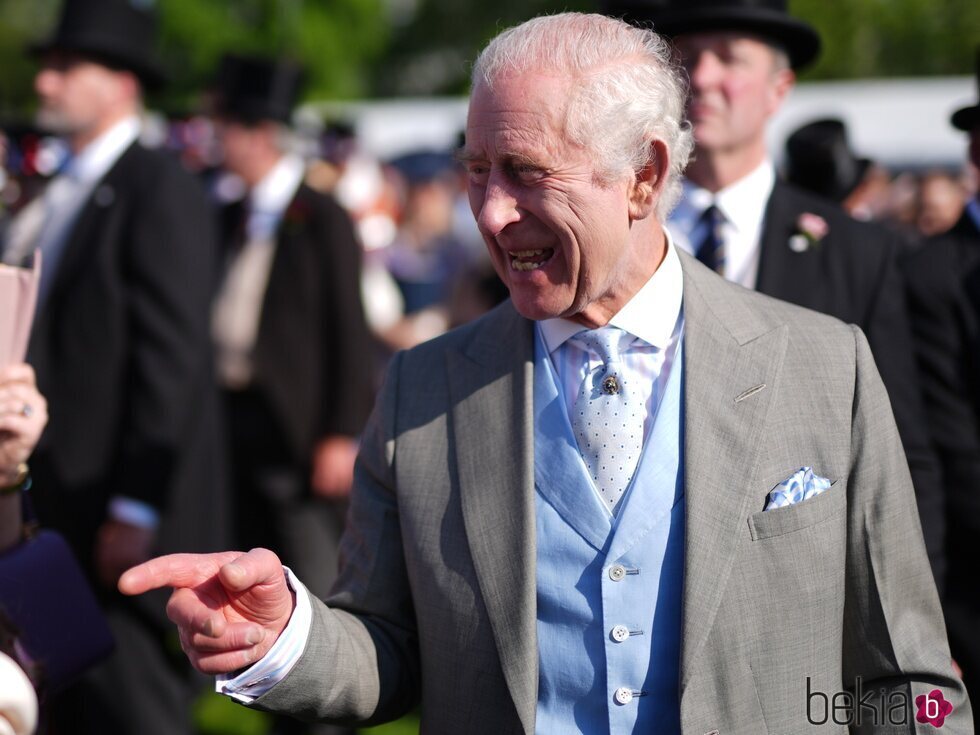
point(21, 480)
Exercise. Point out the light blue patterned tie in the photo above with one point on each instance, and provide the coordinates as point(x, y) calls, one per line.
point(608, 419)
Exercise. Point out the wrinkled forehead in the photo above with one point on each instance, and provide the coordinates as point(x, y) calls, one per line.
point(526, 110)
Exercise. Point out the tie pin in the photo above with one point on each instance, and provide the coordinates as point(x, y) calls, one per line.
point(610, 385)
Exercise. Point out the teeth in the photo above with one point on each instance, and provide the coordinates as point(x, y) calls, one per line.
point(526, 253)
point(520, 265)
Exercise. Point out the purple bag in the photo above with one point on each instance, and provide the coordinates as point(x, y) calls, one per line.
point(44, 592)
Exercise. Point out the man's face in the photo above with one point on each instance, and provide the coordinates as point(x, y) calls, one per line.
point(75, 94)
point(736, 86)
point(558, 239)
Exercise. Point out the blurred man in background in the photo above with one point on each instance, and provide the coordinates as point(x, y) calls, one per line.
point(294, 353)
point(129, 464)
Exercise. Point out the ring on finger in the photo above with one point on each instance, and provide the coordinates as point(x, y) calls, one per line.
point(27, 411)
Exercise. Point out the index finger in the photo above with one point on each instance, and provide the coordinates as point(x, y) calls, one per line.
point(174, 570)
point(19, 372)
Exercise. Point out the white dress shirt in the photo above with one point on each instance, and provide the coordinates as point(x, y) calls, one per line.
point(743, 205)
point(238, 305)
point(653, 316)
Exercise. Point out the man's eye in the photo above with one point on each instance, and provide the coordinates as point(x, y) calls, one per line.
point(478, 173)
point(527, 172)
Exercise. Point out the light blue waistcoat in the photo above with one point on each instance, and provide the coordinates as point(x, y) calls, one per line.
point(596, 572)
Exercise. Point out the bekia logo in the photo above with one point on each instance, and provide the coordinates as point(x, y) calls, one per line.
point(932, 708)
point(874, 707)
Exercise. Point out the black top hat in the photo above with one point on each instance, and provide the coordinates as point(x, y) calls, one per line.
point(120, 33)
point(968, 118)
point(766, 18)
point(819, 159)
point(252, 88)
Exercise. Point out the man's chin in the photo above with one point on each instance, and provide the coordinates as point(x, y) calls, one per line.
point(54, 123)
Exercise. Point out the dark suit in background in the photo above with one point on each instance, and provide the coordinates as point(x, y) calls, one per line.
point(853, 274)
point(121, 350)
point(312, 378)
point(944, 295)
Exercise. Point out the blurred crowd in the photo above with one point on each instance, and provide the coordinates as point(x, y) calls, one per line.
point(219, 295)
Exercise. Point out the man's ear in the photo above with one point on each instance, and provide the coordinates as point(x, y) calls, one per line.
point(648, 182)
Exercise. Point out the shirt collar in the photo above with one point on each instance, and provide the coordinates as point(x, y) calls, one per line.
point(95, 160)
point(743, 202)
point(278, 187)
point(651, 314)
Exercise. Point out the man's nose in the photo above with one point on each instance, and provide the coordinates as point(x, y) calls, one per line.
point(703, 69)
point(46, 81)
point(498, 208)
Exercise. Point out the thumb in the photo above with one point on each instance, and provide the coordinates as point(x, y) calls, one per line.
point(257, 568)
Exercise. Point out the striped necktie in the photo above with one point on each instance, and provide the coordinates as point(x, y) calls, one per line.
point(711, 252)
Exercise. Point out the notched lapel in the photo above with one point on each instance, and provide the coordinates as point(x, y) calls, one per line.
point(490, 385)
point(732, 363)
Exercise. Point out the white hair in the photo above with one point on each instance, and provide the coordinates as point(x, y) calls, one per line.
point(627, 89)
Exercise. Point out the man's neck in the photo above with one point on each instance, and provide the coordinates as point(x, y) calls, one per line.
point(716, 170)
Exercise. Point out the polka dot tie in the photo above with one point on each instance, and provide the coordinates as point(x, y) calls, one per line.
point(607, 419)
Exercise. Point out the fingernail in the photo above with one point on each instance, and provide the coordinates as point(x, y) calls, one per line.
point(235, 570)
point(254, 636)
point(208, 627)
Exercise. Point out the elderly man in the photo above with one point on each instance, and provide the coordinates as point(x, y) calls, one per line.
point(559, 521)
point(739, 219)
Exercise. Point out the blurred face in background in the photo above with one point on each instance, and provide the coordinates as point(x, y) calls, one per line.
point(248, 149)
point(738, 82)
point(79, 98)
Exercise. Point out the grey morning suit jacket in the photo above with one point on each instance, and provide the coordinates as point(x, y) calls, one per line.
point(436, 599)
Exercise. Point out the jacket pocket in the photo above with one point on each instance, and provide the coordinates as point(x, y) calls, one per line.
point(780, 521)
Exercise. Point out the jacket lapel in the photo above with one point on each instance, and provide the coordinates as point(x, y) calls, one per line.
point(732, 361)
point(781, 271)
point(89, 225)
point(490, 383)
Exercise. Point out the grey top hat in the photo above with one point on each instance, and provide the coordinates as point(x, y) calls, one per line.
point(968, 118)
point(120, 33)
point(766, 18)
point(819, 159)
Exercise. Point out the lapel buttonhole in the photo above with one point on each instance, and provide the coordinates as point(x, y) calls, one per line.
point(104, 196)
point(748, 394)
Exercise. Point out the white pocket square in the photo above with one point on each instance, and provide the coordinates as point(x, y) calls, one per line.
point(801, 485)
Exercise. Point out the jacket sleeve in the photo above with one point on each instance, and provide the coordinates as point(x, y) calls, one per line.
point(889, 334)
point(894, 637)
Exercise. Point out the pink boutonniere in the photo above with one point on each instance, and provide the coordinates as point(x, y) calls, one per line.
point(296, 216)
point(811, 229)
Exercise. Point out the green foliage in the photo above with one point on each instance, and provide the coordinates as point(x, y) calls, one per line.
point(892, 38)
point(364, 48)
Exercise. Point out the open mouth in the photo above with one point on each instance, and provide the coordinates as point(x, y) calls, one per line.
point(529, 260)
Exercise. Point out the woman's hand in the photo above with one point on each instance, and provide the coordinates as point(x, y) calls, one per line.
point(23, 415)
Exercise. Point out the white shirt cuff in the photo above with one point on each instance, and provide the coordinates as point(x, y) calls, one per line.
point(260, 677)
point(134, 512)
